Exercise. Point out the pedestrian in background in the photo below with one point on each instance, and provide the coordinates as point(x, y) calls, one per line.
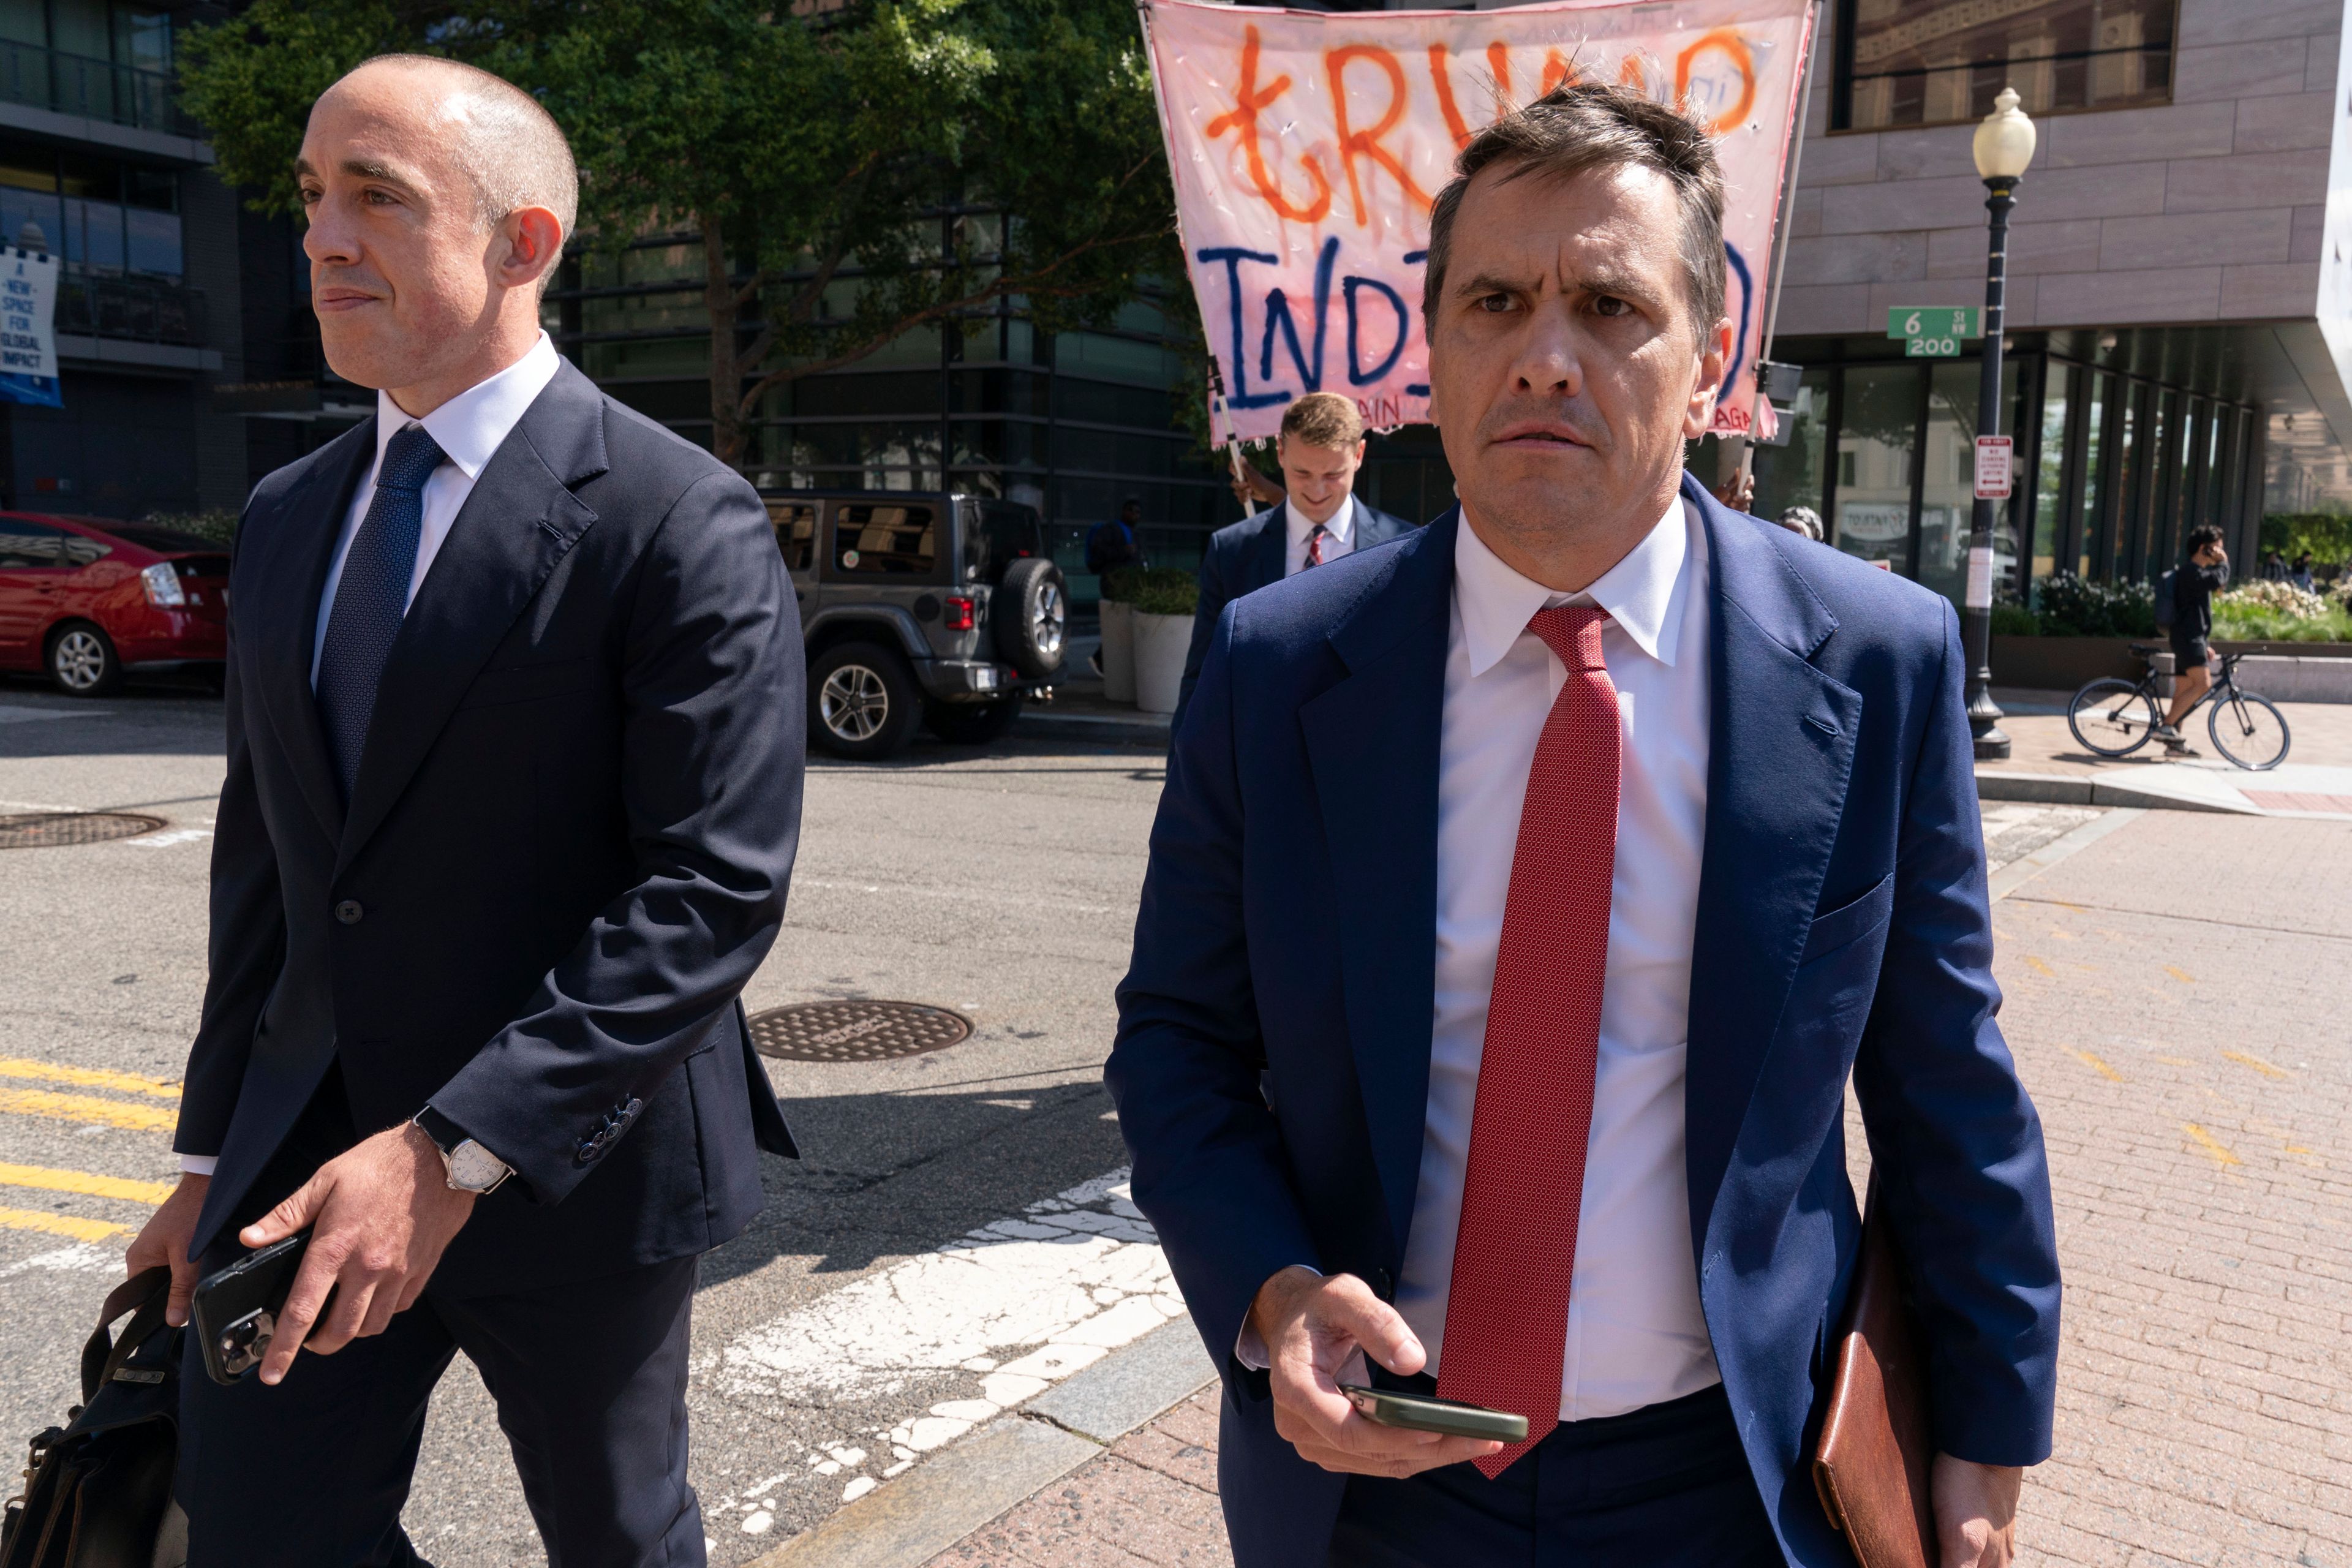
point(2301, 574)
point(515, 729)
point(1111, 545)
point(1491, 944)
point(1316, 519)
point(1803, 520)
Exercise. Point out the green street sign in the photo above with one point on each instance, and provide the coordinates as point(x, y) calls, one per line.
point(1935, 331)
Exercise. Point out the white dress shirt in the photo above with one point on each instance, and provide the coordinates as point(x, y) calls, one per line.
point(470, 429)
point(1339, 536)
point(1635, 1332)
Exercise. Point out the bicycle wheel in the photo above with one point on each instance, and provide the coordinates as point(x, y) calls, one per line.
point(2111, 717)
point(2249, 729)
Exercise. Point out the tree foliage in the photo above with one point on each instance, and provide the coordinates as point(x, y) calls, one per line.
point(831, 165)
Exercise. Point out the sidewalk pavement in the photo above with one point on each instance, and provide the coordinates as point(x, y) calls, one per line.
point(2179, 991)
point(2046, 764)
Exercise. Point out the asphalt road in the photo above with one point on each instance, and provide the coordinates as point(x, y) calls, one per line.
point(1000, 882)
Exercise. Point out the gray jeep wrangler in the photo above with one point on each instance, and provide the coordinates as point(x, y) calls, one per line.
point(931, 607)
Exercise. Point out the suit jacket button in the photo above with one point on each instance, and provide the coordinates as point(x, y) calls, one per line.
point(350, 913)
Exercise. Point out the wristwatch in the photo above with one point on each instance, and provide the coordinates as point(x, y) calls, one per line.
point(472, 1168)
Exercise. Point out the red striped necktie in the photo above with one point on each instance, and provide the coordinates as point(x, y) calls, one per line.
point(1515, 1255)
point(1315, 546)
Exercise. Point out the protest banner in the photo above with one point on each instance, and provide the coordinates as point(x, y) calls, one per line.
point(1307, 149)
point(28, 341)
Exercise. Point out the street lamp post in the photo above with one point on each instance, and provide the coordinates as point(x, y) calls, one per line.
point(2004, 146)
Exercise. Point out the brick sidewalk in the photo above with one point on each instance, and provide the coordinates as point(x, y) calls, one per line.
point(2179, 999)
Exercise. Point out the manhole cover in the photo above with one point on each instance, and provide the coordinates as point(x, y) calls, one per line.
point(856, 1031)
point(57, 829)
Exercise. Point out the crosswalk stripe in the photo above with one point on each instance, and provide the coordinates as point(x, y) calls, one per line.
point(87, 1109)
point(87, 1184)
point(87, 1078)
point(61, 1225)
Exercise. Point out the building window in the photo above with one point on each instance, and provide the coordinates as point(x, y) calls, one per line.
point(100, 215)
point(1939, 62)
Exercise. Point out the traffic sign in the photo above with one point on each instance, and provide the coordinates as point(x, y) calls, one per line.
point(1993, 466)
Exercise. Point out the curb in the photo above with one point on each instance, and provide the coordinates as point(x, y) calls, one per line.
point(2078, 789)
point(907, 1523)
point(2019, 872)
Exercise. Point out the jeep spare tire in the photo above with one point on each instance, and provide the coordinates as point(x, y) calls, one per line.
point(1029, 617)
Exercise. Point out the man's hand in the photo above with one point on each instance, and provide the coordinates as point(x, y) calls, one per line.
point(165, 1240)
point(380, 1215)
point(1976, 1513)
point(1317, 1332)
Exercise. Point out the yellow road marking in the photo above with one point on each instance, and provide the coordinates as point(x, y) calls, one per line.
point(2213, 1146)
point(61, 1225)
point(82, 1182)
point(2062, 904)
point(2180, 974)
point(87, 1078)
point(2259, 1065)
point(2102, 1068)
point(88, 1108)
point(2041, 967)
point(2176, 1061)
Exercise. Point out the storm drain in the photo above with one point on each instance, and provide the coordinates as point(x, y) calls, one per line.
point(856, 1031)
point(61, 829)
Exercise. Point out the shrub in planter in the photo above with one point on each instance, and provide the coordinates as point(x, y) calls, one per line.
point(1164, 602)
point(2072, 606)
point(2014, 620)
point(1117, 610)
point(1166, 591)
point(2263, 611)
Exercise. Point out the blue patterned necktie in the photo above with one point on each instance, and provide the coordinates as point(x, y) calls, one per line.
point(371, 598)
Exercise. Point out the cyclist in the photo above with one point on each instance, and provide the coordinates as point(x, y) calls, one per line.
point(2204, 573)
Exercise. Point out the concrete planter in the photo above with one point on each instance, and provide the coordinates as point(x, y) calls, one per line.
point(1161, 644)
point(1117, 650)
point(2305, 676)
point(2061, 663)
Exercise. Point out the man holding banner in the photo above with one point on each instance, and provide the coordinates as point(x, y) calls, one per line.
point(1523, 896)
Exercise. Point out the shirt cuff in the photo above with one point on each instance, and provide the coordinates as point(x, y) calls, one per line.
point(199, 1164)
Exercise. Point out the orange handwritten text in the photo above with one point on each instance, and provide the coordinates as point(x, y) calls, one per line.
point(1556, 71)
point(1355, 144)
point(1248, 100)
point(1731, 45)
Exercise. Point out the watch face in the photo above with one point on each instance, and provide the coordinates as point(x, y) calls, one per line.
point(475, 1168)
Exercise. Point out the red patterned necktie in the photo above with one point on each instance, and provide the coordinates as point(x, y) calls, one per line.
point(1515, 1255)
point(1315, 546)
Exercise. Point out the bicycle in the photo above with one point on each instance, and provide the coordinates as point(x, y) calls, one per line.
point(2115, 717)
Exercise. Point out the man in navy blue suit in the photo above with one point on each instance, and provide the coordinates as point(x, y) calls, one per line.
point(515, 735)
point(1523, 895)
point(1319, 519)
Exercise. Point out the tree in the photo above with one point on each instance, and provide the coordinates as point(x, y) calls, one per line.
point(853, 173)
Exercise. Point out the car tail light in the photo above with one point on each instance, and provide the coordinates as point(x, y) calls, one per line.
point(163, 585)
point(959, 614)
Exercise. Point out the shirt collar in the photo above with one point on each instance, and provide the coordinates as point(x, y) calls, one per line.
point(1341, 527)
point(1496, 603)
point(471, 427)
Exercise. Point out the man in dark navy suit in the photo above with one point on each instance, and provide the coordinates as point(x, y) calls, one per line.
point(1524, 894)
point(1318, 521)
point(515, 737)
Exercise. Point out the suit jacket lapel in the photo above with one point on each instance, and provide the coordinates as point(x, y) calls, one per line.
point(1371, 743)
point(520, 521)
point(1780, 746)
point(284, 614)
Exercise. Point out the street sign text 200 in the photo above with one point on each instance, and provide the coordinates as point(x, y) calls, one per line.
point(1931, 348)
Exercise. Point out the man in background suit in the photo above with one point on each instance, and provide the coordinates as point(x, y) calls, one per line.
point(1320, 447)
point(1521, 899)
point(514, 763)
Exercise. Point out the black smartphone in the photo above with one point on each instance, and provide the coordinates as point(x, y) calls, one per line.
point(236, 1311)
point(1422, 1412)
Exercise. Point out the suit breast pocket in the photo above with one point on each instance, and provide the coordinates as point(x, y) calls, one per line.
point(1834, 928)
point(529, 682)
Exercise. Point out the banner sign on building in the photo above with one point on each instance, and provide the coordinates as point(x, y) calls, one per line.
point(1308, 147)
point(29, 339)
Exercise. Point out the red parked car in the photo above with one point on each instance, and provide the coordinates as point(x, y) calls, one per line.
point(87, 598)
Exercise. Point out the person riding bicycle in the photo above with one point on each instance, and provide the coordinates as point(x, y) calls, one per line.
point(2204, 573)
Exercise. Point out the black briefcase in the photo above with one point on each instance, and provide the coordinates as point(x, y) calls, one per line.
point(98, 1491)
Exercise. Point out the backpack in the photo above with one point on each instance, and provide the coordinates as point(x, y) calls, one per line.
point(2164, 599)
point(98, 1492)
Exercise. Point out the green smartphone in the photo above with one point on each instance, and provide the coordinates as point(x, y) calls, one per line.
point(1421, 1413)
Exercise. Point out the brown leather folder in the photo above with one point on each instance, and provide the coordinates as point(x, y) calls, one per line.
point(1872, 1467)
